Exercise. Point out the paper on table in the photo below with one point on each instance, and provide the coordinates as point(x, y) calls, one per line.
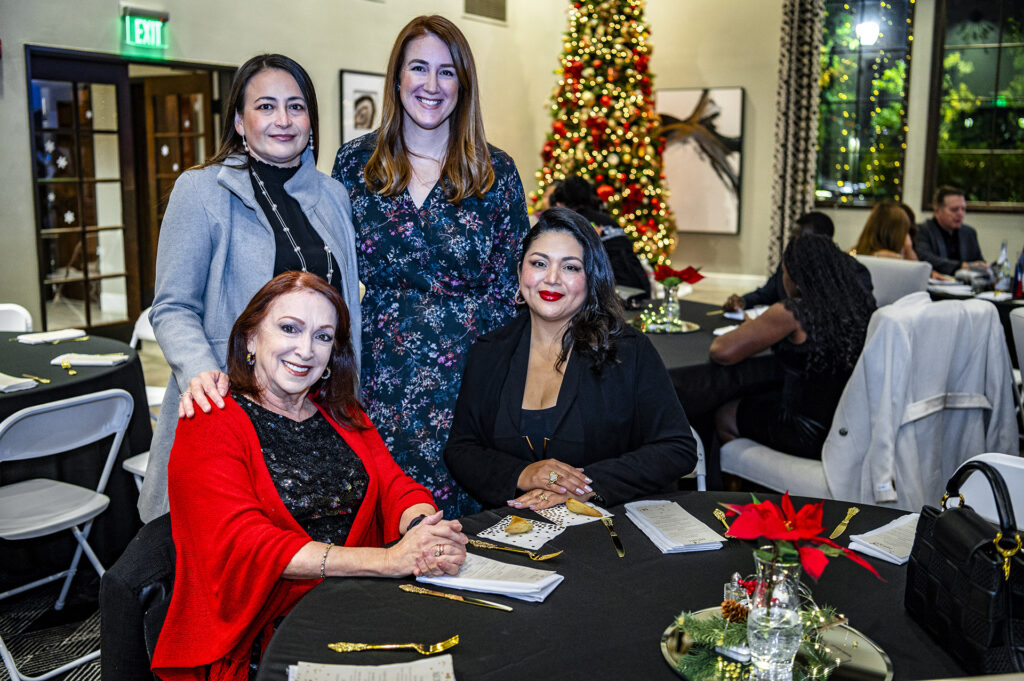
point(494, 577)
point(563, 517)
point(722, 330)
point(952, 289)
point(749, 313)
point(78, 359)
point(541, 533)
point(671, 528)
point(49, 336)
point(9, 384)
point(891, 542)
point(427, 669)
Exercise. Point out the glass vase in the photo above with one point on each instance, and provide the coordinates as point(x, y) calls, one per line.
point(774, 628)
point(670, 308)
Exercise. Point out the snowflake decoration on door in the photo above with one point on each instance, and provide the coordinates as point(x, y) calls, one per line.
point(51, 197)
point(62, 162)
point(49, 146)
point(165, 150)
point(69, 216)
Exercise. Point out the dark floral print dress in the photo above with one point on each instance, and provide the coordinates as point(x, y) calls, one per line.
point(436, 277)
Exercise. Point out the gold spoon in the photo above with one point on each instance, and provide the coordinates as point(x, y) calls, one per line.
point(36, 378)
point(69, 340)
point(421, 648)
point(64, 364)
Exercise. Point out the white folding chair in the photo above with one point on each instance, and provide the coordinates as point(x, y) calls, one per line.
point(891, 279)
point(978, 494)
point(144, 331)
point(1017, 331)
point(41, 507)
point(136, 465)
point(14, 317)
point(700, 471)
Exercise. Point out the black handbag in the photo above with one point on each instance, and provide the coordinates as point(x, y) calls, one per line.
point(965, 579)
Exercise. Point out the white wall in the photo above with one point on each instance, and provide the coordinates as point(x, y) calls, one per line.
point(696, 43)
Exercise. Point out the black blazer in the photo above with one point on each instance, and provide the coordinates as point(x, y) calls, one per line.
point(931, 247)
point(624, 427)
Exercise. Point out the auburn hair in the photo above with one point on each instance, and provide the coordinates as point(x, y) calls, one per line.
point(337, 393)
point(466, 168)
point(886, 229)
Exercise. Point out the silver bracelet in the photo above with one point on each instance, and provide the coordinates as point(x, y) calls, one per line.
point(323, 562)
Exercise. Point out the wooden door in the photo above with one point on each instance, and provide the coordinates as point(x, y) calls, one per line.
point(179, 135)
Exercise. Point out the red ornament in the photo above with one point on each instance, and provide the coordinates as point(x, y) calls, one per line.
point(558, 127)
point(597, 63)
point(599, 178)
point(605, 191)
point(606, 100)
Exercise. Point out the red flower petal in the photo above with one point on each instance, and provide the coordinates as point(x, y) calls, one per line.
point(813, 561)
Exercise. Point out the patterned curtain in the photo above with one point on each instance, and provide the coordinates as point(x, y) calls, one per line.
point(796, 125)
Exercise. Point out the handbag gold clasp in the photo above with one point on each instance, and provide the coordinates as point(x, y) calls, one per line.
point(945, 498)
point(1007, 554)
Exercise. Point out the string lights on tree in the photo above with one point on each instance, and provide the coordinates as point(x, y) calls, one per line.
point(604, 126)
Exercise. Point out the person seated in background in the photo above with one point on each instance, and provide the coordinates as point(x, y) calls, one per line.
point(579, 195)
point(566, 401)
point(886, 232)
point(287, 484)
point(816, 335)
point(773, 291)
point(944, 240)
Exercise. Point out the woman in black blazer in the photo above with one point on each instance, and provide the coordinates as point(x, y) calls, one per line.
point(566, 400)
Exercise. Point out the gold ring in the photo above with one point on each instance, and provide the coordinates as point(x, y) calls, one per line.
point(543, 496)
point(439, 551)
point(552, 477)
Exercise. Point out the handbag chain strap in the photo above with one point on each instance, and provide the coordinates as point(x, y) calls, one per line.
point(1007, 554)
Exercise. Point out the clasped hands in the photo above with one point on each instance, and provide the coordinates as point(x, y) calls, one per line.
point(550, 482)
point(434, 547)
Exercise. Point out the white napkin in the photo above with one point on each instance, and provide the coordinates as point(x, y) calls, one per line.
point(749, 313)
point(722, 330)
point(534, 539)
point(490, 576)
point(951, 289)
point(78, 359)
point(890, 542)
point(672, 528)
point(49, 336)
point(563, 517)
point(9, 384)
point(995, 296)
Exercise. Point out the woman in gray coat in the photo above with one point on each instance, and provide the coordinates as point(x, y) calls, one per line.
point(259, 207)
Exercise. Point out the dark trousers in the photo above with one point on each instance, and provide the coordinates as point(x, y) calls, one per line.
point(134, 596)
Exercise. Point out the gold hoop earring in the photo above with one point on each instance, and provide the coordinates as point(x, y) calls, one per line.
point(519, 300)
point(327, 374)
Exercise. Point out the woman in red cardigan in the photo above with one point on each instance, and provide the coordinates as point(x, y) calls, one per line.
point(286, 485)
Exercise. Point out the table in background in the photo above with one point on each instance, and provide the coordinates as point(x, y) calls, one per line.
point(1004, 307)
point(115, 527)
point(605, 620)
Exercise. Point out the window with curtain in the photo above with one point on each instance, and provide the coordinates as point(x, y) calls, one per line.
point(862, 115)
point(977, 108)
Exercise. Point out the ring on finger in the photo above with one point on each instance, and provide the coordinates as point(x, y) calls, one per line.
point(189, 394)
point(552, 477)
point(543, 496)
point(439, 550)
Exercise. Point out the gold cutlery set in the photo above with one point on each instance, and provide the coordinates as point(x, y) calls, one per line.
point(440, 646)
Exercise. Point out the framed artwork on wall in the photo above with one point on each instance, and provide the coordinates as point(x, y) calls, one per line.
point(702, 129)
point(362, 94)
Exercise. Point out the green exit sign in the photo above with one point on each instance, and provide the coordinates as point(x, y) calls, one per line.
point(144, 28)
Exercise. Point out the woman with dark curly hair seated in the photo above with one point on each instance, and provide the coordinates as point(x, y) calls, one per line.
point(816, 334)
point(566, 401)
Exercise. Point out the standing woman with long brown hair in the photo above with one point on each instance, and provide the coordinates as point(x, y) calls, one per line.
point(439, 215)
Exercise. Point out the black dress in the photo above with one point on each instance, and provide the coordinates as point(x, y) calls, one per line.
point(797, 418)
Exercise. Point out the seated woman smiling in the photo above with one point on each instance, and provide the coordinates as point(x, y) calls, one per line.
point(288, 484)
point(566, 400)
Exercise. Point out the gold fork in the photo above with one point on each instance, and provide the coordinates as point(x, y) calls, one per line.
point(69, 340)
point(421, 648)
point(533, 556)
point(37, 378)
point(64, 364)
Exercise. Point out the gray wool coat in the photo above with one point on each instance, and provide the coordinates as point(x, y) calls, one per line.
point(216, 250)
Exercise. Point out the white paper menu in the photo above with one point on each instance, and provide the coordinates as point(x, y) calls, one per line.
point(891, 542)
point(671, 528)
point(440, 668)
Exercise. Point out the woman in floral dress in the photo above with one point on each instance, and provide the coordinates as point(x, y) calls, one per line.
point(439, 217)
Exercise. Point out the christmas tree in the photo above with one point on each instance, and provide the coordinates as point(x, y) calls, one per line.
point(605, 126)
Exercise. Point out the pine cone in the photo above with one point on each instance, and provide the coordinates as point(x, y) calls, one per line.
point(733, 611)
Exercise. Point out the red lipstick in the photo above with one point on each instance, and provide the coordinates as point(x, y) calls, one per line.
point(551, 296)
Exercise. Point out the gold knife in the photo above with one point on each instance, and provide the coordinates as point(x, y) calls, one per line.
point(411, 588)
point(841, 527)
point(615, 537)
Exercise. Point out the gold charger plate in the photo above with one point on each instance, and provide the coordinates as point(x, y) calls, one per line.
point(655, 327)
point(860, 657)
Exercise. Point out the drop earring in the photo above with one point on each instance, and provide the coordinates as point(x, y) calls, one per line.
point(311, 147)
point(250, 359)
point(245, 147)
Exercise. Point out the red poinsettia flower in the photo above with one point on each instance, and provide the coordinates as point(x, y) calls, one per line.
point(670, 277)
point(787, 526)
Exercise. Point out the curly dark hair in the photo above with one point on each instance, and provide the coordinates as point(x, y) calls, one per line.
point(593, 329)
point(831, 305)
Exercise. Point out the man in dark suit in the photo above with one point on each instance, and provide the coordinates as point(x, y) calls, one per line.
point(772, 291)
point(944, 240)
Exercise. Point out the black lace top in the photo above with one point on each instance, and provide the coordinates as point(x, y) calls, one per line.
point(320, 479)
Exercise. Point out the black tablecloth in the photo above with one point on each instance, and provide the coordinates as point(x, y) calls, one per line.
point(604, 621)
point(117, 525)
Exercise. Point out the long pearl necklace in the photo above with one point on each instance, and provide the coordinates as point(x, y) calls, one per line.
point(288, 232)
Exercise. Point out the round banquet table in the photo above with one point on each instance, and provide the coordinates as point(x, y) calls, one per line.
point(605, 620)
point(115, 527)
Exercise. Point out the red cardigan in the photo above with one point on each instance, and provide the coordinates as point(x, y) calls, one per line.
point(234, 537)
